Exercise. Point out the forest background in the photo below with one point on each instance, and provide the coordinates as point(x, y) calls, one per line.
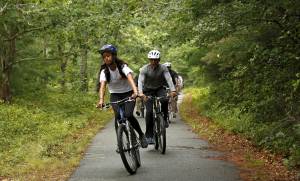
point(240, 58)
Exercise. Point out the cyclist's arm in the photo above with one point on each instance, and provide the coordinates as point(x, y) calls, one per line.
point(102, 91)
point(128, 72)
point(141, 82)
point(131, 82)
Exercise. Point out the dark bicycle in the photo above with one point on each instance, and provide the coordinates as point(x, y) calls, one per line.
point(159, 124)
point(128, 143)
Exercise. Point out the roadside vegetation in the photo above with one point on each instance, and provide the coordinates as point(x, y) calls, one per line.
point(242, 138)
point(44, 138)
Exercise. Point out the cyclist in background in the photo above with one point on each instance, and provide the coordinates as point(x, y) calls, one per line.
point(180, 81)
point(151, 82)
point(175, 80)
point(116, 73)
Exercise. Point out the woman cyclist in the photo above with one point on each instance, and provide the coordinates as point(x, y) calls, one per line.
point(119, 78)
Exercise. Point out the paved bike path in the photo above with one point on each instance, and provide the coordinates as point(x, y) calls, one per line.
point(186, 159)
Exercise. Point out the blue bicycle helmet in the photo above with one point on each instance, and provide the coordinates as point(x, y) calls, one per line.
point(108, 48)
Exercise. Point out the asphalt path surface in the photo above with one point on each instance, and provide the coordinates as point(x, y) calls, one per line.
point(187, 158)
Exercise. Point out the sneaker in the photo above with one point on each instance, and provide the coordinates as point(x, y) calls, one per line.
point(144, 142)
point(166, 124)
point(150, 141)
point(117, 150)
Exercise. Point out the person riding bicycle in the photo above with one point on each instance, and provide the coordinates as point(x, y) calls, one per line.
point(175, 80)
point(180, 81)
point(151, 82)
point(116, 73)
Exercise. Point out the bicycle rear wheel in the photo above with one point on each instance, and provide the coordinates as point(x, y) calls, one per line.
point(128, 155)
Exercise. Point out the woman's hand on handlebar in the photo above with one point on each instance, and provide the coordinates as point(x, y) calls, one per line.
point(143, 96)
point(134, 95)
point(100, 104)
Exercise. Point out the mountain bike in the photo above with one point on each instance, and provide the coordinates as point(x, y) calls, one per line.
point(159, 124)
point(128, 143)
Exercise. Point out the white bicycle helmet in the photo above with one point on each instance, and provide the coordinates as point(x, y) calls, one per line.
point(154, 54)
point(167, 64)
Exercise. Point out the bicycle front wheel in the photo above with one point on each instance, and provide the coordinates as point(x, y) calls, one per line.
point(128, 154)
point(136, 150)
point(161, 134)
point(142, 110)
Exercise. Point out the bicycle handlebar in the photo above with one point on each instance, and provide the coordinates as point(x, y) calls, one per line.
point(158, 98)
point(127, 99)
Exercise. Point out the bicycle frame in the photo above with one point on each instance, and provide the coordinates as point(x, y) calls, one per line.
point(125, 128)
point(156, 104)
point(156, 107)
point(159, 126)
point(122, 120)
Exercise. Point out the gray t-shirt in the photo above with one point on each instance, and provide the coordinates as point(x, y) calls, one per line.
point(151, 79)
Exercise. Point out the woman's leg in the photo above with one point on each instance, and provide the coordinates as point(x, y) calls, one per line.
point(129, 107)
point(114, 97)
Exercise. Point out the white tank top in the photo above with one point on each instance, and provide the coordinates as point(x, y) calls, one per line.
point(117, 84)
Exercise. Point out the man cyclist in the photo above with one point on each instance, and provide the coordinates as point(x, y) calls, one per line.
point(175, 80)
point(151, 82)
point(116, 73)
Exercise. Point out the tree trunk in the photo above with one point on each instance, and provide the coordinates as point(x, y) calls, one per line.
point(83, 71)
point(63, 67)
point(8, 52)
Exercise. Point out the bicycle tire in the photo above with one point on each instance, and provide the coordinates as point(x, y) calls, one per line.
point(170, 116)
point(162, 134)
point(143, 112)
point(156, 134)
point(136, 147)
point(142, 109)
point(127, 155)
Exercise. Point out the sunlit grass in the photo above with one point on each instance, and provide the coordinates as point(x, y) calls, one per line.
point(45, 136)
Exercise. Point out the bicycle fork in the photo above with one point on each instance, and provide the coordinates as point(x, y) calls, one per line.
point(125, 123)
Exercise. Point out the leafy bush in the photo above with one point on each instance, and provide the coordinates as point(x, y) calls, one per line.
point(281, 137)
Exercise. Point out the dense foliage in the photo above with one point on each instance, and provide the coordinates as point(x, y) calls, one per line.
point(248, 57)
